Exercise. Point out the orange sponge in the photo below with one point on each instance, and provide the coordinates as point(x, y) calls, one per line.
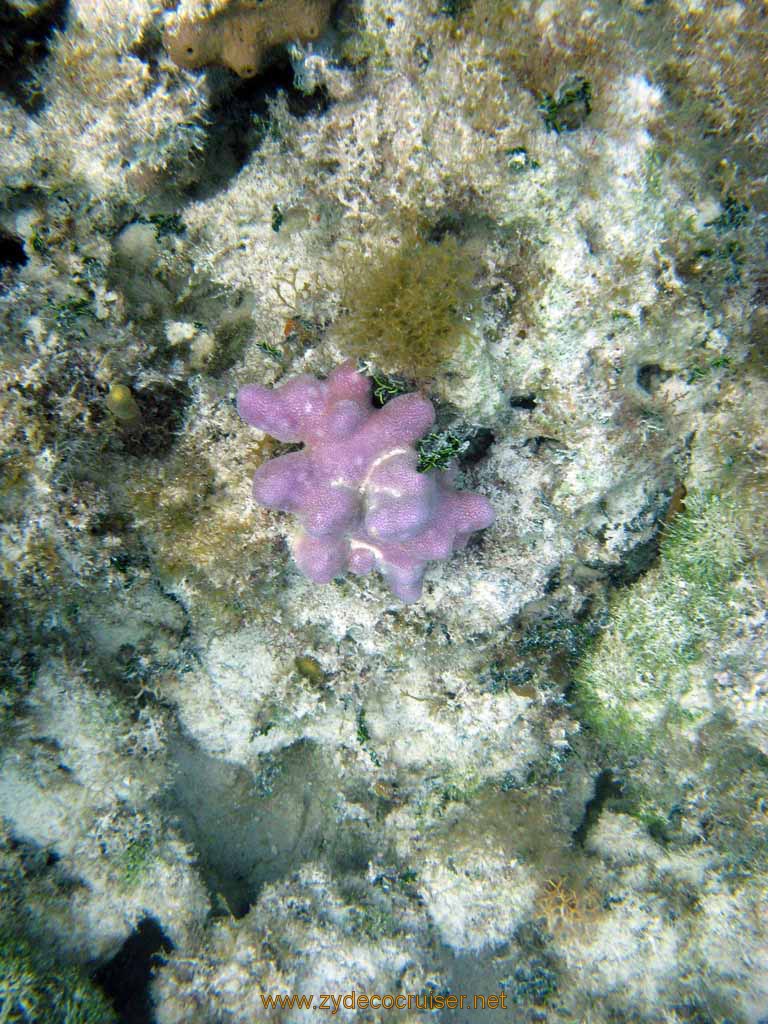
point(240, 35)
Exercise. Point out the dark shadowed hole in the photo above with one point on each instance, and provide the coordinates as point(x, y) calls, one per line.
point(479, 446)
point(24, 43)
point(606, 788)
point(635, 562)
point(34, 859)
point(162, 411)
point(524, 402)
point(650, 376)
point(541, 445)
point(127, 976)
point(11, 251)
point(239, 119)
point(450, 223)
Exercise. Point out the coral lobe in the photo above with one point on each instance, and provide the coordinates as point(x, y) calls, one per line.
point(355, 489)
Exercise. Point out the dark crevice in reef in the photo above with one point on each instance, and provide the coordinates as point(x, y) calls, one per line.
point(607, 788)
point(525, 402)
point(162, 408)
point(35, 860)
point(636, 562)
point(450, 223)
point(646, 528)
point(252, 828)
point(534, 446)
point(127, 976)
point(149, 48)
point(12, 252)
point(650, 376)
point(238, 120)
point(480, 444)
point(23, 46)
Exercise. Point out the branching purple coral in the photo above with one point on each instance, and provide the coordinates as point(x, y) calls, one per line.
point(354, 488)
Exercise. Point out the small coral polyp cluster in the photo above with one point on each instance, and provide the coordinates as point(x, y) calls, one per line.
point(359, 498)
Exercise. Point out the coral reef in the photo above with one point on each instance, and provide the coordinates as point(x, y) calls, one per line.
point(356, 489)
point(220, 783)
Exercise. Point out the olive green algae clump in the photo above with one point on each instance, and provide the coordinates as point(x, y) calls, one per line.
point(407, 310)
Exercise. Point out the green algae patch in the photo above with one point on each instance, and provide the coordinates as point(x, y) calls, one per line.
point(637, 682)
point(134, 861)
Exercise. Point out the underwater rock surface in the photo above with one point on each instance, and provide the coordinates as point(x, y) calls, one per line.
point(544, 783)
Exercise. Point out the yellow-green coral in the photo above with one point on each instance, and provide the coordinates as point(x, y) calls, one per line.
point(122, 404)
point(240, 35)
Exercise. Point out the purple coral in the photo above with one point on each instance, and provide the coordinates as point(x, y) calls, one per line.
point(355, 488)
